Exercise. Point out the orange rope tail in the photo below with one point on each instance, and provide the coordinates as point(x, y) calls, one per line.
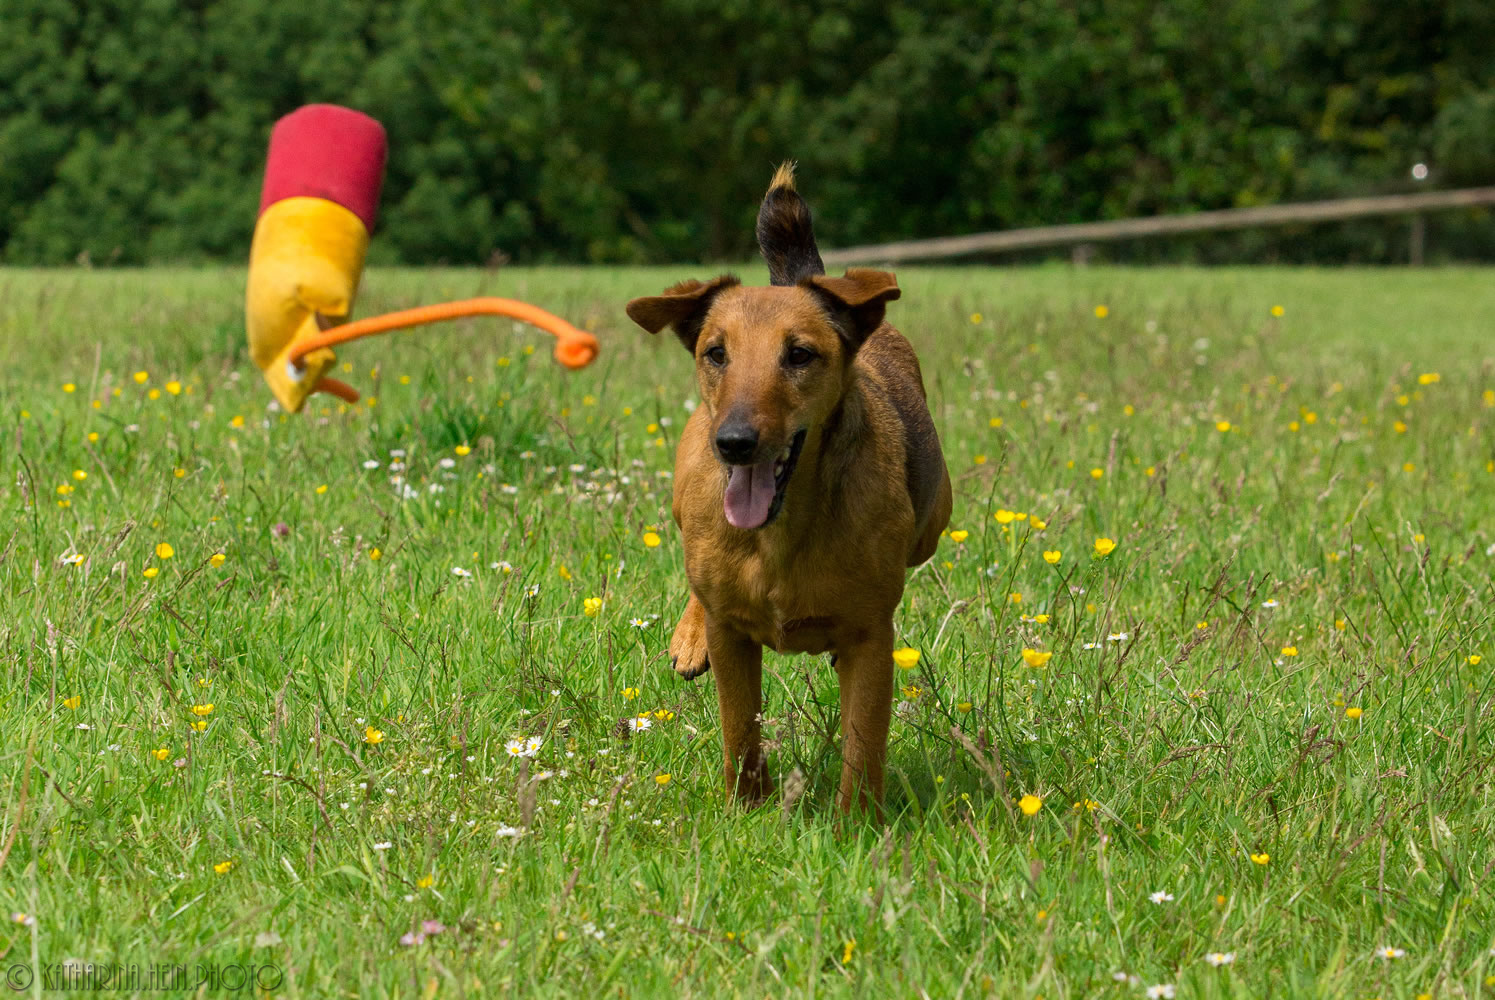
point(573, 348)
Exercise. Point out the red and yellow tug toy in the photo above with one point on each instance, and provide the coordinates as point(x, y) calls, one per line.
point(317, 210)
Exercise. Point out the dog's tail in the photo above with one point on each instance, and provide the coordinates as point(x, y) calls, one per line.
point(785, 235)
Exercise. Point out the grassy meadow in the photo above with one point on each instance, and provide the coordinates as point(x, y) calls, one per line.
point(348, 694)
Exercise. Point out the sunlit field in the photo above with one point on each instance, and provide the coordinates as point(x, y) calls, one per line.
point(378, 696)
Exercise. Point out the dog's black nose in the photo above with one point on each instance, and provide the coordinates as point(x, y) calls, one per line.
point(736, 442)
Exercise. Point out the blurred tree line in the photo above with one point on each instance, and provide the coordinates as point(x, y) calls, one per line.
point(582, 130)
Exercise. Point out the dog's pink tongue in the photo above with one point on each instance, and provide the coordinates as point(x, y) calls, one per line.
point(750, 490)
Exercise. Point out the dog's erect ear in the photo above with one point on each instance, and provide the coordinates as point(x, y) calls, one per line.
point(856, 302)
point(683, 307)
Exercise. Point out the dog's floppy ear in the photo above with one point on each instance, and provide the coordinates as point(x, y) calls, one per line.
point(683, 307)
point(856, 302)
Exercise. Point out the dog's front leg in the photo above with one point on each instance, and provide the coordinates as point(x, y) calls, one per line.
point(866, 674)
point(688, 653)
point(737, 665)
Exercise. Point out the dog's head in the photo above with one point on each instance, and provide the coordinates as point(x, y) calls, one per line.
point(772, 365)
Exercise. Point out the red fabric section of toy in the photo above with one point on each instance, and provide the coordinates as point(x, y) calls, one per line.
point(327, 151)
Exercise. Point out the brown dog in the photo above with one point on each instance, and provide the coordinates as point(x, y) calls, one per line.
point(807, 480)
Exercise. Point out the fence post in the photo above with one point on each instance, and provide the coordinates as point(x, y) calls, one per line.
point(1417, 238)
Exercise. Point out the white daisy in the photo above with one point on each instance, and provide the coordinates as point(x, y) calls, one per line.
point(639, 622)
point(1091, 645)
point(1162, 991)
point(447, 463)
point(1270, 604)
point(1391, 953)
point(1160, 897)
point(459, 571)
point(1219, 958)
point(371, 464)
point(640, 723)
point(1118, 637)
point(383, 845)
point(506, 831)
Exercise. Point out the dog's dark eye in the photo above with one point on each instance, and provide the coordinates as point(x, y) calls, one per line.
point(798, 357)
point(717, 355)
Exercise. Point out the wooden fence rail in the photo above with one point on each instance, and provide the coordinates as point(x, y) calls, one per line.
point(1165, 225)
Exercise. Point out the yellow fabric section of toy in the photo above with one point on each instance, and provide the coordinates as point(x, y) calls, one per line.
point(306, 260)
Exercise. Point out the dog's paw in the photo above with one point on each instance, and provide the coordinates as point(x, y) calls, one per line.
point(688, 650)
point(688, 644)
point(691, 663)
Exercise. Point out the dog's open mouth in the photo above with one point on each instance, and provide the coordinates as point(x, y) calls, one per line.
point(756, 492)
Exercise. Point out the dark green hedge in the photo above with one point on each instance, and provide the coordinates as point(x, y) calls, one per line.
point(581, 130)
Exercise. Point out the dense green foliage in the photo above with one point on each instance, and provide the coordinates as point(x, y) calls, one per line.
point(1313, 487)
point(560, 130)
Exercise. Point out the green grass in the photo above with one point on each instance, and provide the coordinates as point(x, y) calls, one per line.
point(1195, 748)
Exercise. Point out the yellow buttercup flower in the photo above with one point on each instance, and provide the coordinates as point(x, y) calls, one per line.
point(959, 536)
point(1101, 312)
point(1278, 311)
point(73, 702)
point(372, 735)
point(1097, 473)
point(1474, 659)
point(630, 693)
point(150, 572)
point(1037, 524)
point(140, 377)
point(217, 559)
point(1052, 557)
point(165, 551)
point(1289, 650)
point(463, 449)
point(661, 780)
point(375, 555)
point(1223, 426)
point(563, 572)
point(1261, 859)
point(222, 867)
point(1035, 659)
point(906, 658)
point(651, 540)
point(1030, 804)
point(1104, 546)
point(591, 606)
point(1005, 516)
point(174, 387)
point(161, 753)
point(426, 881)
point(1353, 713)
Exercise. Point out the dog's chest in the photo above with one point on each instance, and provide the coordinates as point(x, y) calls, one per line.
point(809, 608)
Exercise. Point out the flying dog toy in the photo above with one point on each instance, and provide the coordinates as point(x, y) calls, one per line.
point(317, 209)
